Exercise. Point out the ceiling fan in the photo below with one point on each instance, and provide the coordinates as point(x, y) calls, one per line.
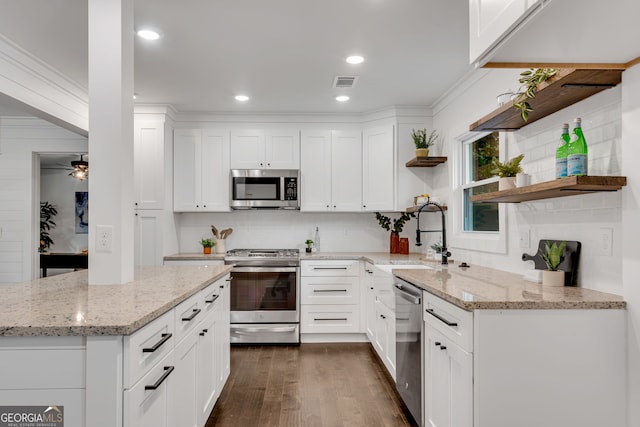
point(79, 168)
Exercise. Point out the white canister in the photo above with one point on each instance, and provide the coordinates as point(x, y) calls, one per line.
point(523, 179)
point(220, 246)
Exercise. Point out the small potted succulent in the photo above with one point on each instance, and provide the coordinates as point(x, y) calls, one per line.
point(207, 244)
point(553, 256)
point(309, 244)
point(423, 142)
point(507, 172)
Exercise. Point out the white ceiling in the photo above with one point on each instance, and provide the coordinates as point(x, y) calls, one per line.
point(283, 53)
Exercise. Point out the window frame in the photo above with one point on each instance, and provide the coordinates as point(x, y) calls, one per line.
point(484, 241)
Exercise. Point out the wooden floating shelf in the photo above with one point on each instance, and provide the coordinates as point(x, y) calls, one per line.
point(425, 162)
point(431, 208)
point(563, 187)
point(567, 87)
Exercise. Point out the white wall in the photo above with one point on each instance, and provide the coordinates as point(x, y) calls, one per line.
point(58, 188)
point(570, 218)
point(20, 138)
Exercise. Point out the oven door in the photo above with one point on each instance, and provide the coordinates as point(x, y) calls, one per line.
point(264, 295)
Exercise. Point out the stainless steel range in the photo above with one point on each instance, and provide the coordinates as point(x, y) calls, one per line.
point(265, 301)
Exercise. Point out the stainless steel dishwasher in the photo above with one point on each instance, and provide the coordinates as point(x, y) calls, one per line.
point(408, 312)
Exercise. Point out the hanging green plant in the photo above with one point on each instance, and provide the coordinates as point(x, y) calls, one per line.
point(530, 79)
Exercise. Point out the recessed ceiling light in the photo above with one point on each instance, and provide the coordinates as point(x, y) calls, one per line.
point(135, 96)
point(148, 34)
point(242, 98)
point(355, 59)
point(342, 98)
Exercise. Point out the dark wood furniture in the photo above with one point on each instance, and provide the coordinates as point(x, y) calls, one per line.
point(62, 260)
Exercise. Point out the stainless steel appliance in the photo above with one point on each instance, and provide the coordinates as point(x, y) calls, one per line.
point(265, 296)
point(409, 322)
point(265, 189)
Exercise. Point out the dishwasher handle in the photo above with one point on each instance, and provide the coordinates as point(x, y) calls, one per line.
point(401, 292)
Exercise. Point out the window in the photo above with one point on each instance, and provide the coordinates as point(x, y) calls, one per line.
point(477, 178)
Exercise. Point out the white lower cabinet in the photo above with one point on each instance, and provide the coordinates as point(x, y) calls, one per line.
point(207, 383)
point(385, 336)
point(183, 391)
point(368, 301)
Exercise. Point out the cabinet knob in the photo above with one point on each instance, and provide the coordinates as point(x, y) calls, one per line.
point(204, 206)
point(197, 206)
point(383, 316)
point(269, 164)
point(327, 206)
point(443, 347)
point(136, 203)
point(371, 288)
point(334, 206)
point(364, 206)
point(261, 164)
point(437, 343)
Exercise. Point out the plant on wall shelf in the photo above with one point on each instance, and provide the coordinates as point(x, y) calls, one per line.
point(421, 140)
point(47, 213)
point(509, 168)
point(530, 79)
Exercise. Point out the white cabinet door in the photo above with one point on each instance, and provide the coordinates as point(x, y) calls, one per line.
point(315, 170)
point(148, 158)
point(215, 170)
point(207, 381)
point(148, 239)
point(369, 301)
point(448, 383)
point(282, 149)
point(223, 333)
point(247, 149)
point(187, 152)
point(381, 329)
point(183, 402)
point(346, 171)
point(378, 169)
point(490, 21)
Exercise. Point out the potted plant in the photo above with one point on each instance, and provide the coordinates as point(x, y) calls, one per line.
point(530, 79)
point(207, 244)
point(507, 171)
point(423, 142)
point(309, 244)
point(553, 256)
point(47, 212)
point(398, 225)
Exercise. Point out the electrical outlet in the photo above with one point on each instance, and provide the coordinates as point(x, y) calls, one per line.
point(525, 238)
point(104, 238)
point(605, 242)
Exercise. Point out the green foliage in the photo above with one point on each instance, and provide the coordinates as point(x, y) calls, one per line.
point(207, 242)
point(47, 212)
point(308, 242)
point(398, 223)
point(530, 79)
point(421, 139)
point(509, 168)
point(437, 247)
point(553, 254)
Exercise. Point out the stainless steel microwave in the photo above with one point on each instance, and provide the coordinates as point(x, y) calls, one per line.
point(265, 189)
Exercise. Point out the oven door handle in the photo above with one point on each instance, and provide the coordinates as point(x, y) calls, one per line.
point(265, 269)
point(244, 329)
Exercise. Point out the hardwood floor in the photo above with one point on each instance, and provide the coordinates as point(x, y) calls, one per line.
point(309, 385)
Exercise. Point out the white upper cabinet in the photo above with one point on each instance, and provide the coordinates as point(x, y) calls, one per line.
point(378, 171)
point(201, 170)
point(148, 157)
point(491, 20)
point(331, 171)
point(260, 149)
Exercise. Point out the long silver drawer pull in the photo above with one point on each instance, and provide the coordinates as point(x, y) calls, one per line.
point(165, 338)
point(209, 301)
point(440, 318)
point(329, 290)
point(240, 330)
point(196, 311)
point(329, 268)
point(331, 318)
point(167, 372)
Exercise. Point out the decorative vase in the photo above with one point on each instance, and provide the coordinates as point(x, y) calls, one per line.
point(206, 250)
point(307, 250)
point(220, 246)
point(507, 183)
point(422, 152)
point(404, 246)
point(394, 243)
point(552, 279)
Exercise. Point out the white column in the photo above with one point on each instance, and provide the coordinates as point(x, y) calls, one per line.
point(631, 233)
point(111, 140)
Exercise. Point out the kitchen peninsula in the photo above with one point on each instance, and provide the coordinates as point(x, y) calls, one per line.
point(107, 353)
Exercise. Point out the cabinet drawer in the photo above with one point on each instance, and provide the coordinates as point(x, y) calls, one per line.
point(330, 290)
point(187, 315)
point(330, 268)
point(147, 346)
point(452, 321)
point(210, 298)
point(329, 319)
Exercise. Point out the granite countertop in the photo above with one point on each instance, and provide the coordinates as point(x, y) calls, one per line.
point(485, 288)
point(66, 305)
